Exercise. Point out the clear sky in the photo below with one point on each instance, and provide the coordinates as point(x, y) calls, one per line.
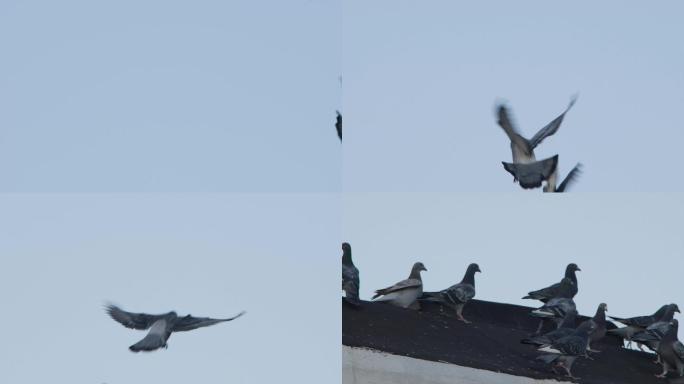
point(629, 246)
point(421, 80)
point(275, 256)
point(99, 96)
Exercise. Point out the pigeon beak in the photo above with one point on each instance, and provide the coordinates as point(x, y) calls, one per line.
point(424, 269)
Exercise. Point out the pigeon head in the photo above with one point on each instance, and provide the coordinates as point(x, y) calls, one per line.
point(469, 277)
point(603, 307)
point(572, 267)
point(474, 267)
point(346, 253)
point(675, 308)
point(415, 271)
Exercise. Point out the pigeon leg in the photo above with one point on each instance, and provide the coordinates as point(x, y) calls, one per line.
point(459, 314)
point(539, 328)
point(664, 373)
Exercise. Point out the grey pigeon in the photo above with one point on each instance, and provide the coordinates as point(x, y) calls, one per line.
point(546, 294)
point(338, 125)
point(671, 351)
point(652, 335)
point(565, 184)
point(556, 308)
point(636, 324)
point(531, 175)
point(457, 295)
point(565, 328)
point(404, 293)
point(523, 149)
point(350, 276)
point(564, 351)
point(160, 326)
point(599, 321)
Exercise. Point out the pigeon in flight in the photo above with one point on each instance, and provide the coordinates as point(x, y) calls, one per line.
point(566, 327)
point(636, 324)
point(599, 321)
point(564, 351)
point(457, 295)
point(160, 326)
point(532, 174)
point(350, 276)
point(405, 292)
point(546, 294)
point(671, 351)
point(566, 183)
point(338, 125)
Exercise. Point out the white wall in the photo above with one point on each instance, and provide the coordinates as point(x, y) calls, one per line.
point(365, 366)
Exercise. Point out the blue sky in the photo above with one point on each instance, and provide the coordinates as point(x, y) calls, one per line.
point(421, 80)
point(65, 256)
point(159, 96)
point(629, 246)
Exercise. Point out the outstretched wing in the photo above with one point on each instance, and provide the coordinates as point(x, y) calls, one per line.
point(570, 178)
point(504, 122)
point(189, 322)
point(130, 319)
point(551, 127)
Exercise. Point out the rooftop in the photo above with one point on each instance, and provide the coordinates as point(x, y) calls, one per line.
point(491, 342)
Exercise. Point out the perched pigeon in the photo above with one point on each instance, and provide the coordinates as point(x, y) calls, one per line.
point(338, 125)
point(545, 294)
point(556, 308)
point(405, 292)
point(457, 295)
point(531, 175)
point(569, 179)
point(160, 326)
point(523, 149)
point(566, 327)
point(599, 321)
point(565, 350)
point(671, 351)
point(350, 276)
point(636, 324)
point(652, 335)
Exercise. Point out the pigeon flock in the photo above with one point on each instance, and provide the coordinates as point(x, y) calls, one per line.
point(564, 341)
point(160, 326)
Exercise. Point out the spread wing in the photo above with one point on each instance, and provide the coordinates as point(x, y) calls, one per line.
point(130, 319)
point(189, 322)
point(504, 122)
point(551, 127)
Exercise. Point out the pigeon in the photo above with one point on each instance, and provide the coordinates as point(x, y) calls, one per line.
point(523, 149)
point(556, 308)
point(350, 276)
point(457, 295)
point(599, 321)
point(338, 125)
point(566, 327)
point(160, 326)
point(531, 175)
point(405, 292)
point(652, 335)
point(671, 351)
point(565, 350)
point(569, 180)
point(636, 324)
point(545, 294)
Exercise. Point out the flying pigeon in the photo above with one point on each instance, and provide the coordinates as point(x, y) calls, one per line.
point(160, 326)
point(338, 125)
point(565, 184)
point(565, 350)
point(457, 295)
point(523, 149)
point(599, 321)
point(531, 175)
point(652, 335)
point(671, 351)
point(636, 324)
point(405, 292)
point(545, 294)
point(566, 327)
point(556, 308)
point(350, 276)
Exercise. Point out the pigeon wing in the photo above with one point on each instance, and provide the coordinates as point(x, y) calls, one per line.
point(189, 322)
point(404, 284)
point(505, 123)
point(551, 127)
point(132, 320)
point(570, 178)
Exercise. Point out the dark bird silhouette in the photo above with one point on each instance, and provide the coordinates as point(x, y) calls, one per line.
point(338, 125)
point(457, 295)
point(350, 276)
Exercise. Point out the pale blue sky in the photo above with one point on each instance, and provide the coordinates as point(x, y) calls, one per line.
point(421, 80)
point(169, 96)
point(629, 246)
point(275, 256)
